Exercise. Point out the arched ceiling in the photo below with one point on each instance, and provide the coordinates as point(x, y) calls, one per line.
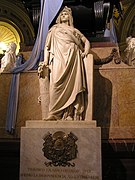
point(126, 26)
point(15, 21)
point(8, 34)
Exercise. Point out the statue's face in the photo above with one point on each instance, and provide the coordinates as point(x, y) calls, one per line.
point(64, 17)
point(8, 48)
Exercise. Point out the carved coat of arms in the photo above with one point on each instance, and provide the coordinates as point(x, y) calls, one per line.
point(60, 148)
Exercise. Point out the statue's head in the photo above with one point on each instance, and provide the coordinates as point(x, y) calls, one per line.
point(128, 39)
point(11, 47)
point(69, 12)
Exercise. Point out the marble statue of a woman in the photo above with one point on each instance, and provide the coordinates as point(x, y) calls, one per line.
point(64, 51)
point(8, 60)
point(130, 51)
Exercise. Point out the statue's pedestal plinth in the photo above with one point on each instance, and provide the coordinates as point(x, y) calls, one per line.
point(60, 150)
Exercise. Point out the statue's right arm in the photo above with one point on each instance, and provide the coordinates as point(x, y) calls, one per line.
point(46, 56)
point(46, 48)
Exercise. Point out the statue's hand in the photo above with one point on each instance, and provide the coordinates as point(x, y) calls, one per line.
point(41, 67)
point(84, 54)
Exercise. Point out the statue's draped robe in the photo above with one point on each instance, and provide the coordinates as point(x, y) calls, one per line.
point(67, 75)
point(130, 52)
point(8, 61)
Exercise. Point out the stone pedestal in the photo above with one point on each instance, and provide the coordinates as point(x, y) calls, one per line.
point(60, 150)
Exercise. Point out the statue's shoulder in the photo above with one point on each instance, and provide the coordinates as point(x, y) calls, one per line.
point(77, 30)
point(53, 27)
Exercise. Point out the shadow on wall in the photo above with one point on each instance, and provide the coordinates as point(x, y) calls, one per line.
point(102, 101)
point(112, 167)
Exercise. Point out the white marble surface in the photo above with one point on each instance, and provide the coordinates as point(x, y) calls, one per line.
point(60, 124)
point(44, 90)
point(87, 163)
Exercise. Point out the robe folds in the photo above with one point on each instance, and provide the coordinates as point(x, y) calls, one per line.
point(67, 73)
point(8, 62)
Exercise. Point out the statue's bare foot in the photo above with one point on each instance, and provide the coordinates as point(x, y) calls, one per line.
point(69, 118)
point(50, 118)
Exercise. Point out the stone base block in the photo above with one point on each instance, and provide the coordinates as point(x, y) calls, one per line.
point(67, 151)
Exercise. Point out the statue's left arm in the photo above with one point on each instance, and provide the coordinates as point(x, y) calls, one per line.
point(86, 46)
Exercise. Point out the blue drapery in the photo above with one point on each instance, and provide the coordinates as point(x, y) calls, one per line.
point(49, 9)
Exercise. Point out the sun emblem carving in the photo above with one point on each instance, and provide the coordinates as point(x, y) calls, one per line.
point(60, 148)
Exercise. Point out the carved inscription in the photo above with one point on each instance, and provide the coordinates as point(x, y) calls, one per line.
point(60, 173)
